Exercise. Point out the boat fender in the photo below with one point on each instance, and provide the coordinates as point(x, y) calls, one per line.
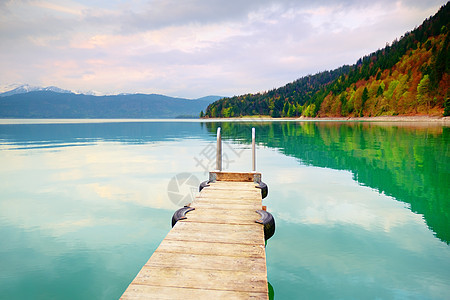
point(269, 223)
point(203, 185)
point(264, 189)
point(180, 214)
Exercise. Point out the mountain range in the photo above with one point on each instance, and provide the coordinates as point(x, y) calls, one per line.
point(26, 88)
point(52, 102)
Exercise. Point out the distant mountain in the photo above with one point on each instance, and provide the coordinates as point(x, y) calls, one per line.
point(409, 77)
point(26, 88)
point(47, 103)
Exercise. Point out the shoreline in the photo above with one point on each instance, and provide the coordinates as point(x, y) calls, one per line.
point(407, 120)
point(413, 119)
point(390, 119)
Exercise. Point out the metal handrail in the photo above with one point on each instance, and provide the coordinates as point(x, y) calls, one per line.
point(219, 150)
point(253, 151)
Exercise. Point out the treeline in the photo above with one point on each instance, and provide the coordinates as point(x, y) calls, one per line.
point(410, 76)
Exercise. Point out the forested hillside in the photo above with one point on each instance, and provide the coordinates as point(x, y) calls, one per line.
point(408, 77)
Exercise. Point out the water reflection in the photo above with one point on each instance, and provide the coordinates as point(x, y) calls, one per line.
point(410, 163)
point(337, 239)
point(82, 214)
point(47, 135)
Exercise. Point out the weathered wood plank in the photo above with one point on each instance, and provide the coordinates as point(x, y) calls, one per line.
point(222, 215)
point(225, 193)
point(217, 233)
point(228, 204)
point(235, 185)
point(221, 198)
point(225, 201)
point(242, 281)
point(219, 212)
point(139, 291)
point(236, 206)
point(235, 176)
point(211, 248)
point(188, 227)
point(207, 262)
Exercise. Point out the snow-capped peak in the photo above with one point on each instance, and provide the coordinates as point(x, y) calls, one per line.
point(13, 89)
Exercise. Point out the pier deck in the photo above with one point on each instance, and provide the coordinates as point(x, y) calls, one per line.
point(218, 252)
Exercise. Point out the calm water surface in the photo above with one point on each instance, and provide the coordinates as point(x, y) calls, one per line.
point(362, 209)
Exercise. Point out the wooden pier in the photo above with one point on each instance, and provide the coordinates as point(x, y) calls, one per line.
point(217, 252)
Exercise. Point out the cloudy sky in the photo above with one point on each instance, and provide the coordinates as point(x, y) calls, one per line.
point(192, 48)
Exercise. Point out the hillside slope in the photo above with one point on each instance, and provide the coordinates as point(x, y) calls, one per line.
point(408, 77)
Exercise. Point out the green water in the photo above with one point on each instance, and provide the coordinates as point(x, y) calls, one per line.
point(362, 209)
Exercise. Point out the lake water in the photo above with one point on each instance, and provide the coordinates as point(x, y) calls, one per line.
point(362, 209)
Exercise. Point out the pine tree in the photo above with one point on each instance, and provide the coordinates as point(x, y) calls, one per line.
point(365, 96)
point(291, 110)
point(447, 107)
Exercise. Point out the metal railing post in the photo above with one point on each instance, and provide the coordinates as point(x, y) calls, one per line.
point(219, 151)
point(253, 151)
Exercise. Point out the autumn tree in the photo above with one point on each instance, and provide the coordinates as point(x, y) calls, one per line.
point(423, 90)
point(364, 98)
point(447, 107)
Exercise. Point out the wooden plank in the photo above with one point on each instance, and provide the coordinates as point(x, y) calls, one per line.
point(235, 176)
point(234, 185)
point(238, 186)
point(237, 206)
point(190, 227)
point(242, 281)
point(227, 194)
point(222, 215)
point(139, 291)
point(206, 262)
point(221, 211)
point(211, 248)
point(217, 233)
point(224, 203)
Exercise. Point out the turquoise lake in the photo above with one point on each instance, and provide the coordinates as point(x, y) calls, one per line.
point(362, 209)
